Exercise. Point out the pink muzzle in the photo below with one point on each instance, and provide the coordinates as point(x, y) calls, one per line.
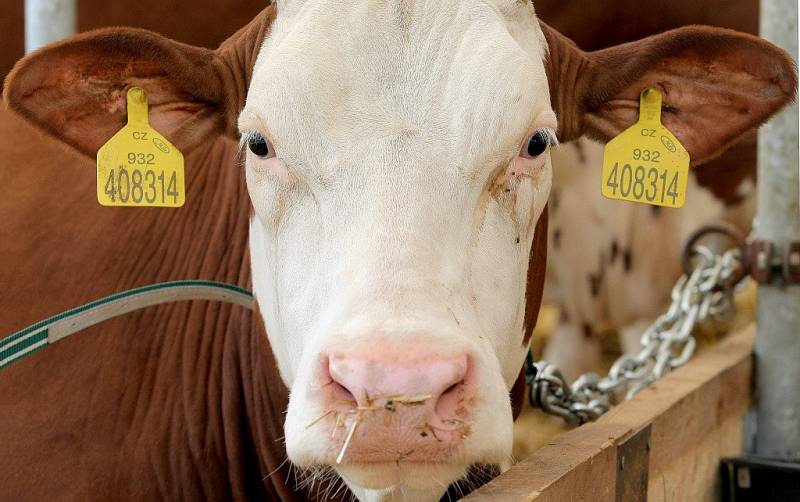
point(397, 403)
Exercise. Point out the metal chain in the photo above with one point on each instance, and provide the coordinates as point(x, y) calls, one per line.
point(667, 344)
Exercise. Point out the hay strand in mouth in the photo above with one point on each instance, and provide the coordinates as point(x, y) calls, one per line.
point(347, 440)
point(412, 399)
point(371, 406)
point(319, 418)
point(339, 423)
point(368, 408)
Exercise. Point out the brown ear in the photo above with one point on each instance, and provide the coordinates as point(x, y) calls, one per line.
point(718, 85)
point(76, 89)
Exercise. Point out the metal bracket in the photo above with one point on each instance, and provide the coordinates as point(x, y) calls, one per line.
point(753, 479)
point(760, 258)
point(633, 467)
point(791, 263)
point(766, 263)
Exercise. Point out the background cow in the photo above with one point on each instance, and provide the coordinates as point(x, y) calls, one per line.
point(371, 177)
point(612, 264)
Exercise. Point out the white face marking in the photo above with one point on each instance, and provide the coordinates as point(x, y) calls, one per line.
point(390, 207)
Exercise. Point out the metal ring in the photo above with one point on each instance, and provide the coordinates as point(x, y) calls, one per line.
point(725, 229)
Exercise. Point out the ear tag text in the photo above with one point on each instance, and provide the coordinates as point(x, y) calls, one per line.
point(646, 163)
point(138, 166)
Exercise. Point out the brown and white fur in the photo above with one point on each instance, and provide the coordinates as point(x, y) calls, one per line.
point(612, 264)
point(396, 242)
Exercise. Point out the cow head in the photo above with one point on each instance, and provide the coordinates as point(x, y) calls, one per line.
point(397, 158)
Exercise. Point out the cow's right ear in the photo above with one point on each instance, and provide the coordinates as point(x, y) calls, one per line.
point(76, 88)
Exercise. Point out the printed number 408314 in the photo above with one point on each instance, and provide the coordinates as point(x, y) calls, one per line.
point(136, 187)
point(641, 182)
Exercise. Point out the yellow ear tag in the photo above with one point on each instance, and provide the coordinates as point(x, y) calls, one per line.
point(646, 163)
point(138, 166)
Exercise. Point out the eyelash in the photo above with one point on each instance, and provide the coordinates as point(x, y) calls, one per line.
point(551, 136)
point(244, 139)
point(552, 139)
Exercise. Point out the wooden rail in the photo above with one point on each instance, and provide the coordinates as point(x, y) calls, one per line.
point(662, 445)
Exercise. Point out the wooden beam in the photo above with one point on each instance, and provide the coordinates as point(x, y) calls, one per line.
point(694, 414)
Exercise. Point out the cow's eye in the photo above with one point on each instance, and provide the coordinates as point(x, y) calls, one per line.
point(537, 144)
point(259, 145)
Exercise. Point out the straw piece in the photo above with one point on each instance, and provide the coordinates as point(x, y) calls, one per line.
point(413, 399)
point(368, 408)
point(453, 421)
point(319, 418)
point(350, 433)
point(339, 423)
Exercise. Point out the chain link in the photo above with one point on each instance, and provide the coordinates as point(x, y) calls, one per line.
point(667, 344)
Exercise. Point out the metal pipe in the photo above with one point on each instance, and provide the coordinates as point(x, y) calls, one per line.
point(777, 349)
point(47, 21)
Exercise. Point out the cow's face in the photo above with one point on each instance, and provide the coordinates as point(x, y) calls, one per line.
point(397, 157)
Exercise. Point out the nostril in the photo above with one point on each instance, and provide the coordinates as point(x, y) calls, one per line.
point(451, 402)
point(452, 388)
point(340, 394)
point(335, 371)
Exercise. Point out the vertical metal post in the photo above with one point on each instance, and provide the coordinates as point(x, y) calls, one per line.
point(47, 21)
point(777, 413)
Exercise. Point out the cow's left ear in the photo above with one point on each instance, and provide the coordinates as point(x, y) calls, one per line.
point(717, 84)
point(76, 88)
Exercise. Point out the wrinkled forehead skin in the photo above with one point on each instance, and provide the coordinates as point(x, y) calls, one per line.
point(459, 76)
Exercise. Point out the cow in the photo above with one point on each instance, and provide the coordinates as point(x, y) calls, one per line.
point(388, 211)
point(612, 264)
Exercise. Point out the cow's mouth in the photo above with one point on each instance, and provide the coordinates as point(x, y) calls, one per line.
point(396, 428)
point(402, 447)
point(406, 474)
point(395, 442)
